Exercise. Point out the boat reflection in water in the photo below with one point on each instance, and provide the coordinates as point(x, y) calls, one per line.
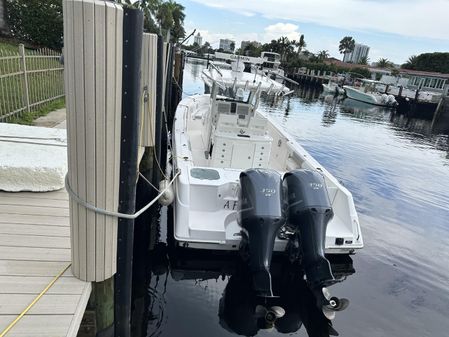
point(240, 310)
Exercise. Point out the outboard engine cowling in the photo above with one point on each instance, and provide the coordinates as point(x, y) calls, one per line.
point(309, 211)
point(261, 215)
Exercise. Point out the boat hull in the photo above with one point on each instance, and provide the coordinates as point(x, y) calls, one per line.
point(206, 198)
point(361, 96)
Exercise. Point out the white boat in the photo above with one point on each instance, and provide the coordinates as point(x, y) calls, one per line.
point(270, 65)
point(366, 92)
point(232, 76)
point(333, 88)
point(244, 184)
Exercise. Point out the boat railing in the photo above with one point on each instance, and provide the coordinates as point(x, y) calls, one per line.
point(216, 68)
point(221, 85)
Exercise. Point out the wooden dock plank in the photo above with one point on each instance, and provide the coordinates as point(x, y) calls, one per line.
point(38, 202)
point(53, 195)
point(33, 210)
point(34, 248)
point(35, 254)
point(37, 325)
point(35, 284)
point(13, 304)
point(34, 230)
point(34, 241)
point(30, 268)
point(35, 219)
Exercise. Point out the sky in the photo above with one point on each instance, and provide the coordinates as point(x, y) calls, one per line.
point(393, 29)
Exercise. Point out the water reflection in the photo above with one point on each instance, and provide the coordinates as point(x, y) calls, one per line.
point(238, 309)
point(397, 168)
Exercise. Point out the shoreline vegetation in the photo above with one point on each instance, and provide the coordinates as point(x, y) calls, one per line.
point(295, 55)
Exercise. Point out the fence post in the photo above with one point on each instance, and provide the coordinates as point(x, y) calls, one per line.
point(23, 65)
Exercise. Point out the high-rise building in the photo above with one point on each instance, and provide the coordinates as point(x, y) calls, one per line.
point(227, 45)
point(198, 39)
point(360, 51)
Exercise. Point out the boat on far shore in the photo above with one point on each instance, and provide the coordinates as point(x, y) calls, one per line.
point(333, 88)
point(271, 65)
point(365, 91)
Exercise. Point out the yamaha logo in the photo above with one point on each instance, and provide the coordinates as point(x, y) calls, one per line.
point(268, 192)
point(316, 186)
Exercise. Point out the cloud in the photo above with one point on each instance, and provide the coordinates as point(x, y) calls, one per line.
point(279, 29)
point(413, 18)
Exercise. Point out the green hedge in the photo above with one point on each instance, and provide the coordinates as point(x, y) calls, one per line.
point(38, 22)
point(429, 62)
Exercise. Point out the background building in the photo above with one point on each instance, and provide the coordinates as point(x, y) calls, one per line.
point(360, 51)
point(198, 39)
point(245, 44)
point(227, 45)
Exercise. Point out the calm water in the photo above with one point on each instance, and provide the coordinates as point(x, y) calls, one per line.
point(398, 173)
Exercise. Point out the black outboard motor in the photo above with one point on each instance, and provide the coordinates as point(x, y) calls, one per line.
point(261, 215)
point(309, 211)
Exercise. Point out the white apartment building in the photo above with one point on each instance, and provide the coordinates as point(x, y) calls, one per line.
point(360, 51)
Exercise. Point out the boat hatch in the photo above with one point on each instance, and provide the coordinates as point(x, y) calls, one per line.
point(204, 174)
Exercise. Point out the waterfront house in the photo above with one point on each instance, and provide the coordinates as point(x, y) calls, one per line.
point(426, 80)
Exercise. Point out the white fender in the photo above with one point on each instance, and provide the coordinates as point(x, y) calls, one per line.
point(168, 196)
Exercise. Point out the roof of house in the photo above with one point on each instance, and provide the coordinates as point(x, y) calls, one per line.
point(411, 72)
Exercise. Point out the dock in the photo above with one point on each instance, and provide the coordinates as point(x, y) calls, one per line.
point(34, 249)
point(311, 77)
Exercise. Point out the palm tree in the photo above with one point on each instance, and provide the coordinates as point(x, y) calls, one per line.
point(178, 16)
point(347, 45)
point(301, 44)
point(384, 63)
point(411, 62)
point(323, 54)
point(170, 16)
point(165, 17)
point(149, 9)
point(364, 60)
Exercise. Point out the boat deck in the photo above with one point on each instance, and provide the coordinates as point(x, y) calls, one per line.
point(34, 248)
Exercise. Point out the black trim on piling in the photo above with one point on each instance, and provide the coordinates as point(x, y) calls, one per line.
point(132, 51)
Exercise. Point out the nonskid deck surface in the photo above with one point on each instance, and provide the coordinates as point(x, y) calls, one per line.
point(207, 192)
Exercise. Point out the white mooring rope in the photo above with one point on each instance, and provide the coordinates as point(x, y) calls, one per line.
point(116, 214)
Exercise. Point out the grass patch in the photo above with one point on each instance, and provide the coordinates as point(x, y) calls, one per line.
point(45, 79)
point(27, 118)
point(5, 46)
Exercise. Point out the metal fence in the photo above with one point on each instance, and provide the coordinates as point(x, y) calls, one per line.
point(29, 80)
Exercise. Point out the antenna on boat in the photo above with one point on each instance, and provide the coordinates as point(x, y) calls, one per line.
point(188, 37)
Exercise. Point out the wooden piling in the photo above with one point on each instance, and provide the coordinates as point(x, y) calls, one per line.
point(440, 121)
point(93, 29)
point(148, 85)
